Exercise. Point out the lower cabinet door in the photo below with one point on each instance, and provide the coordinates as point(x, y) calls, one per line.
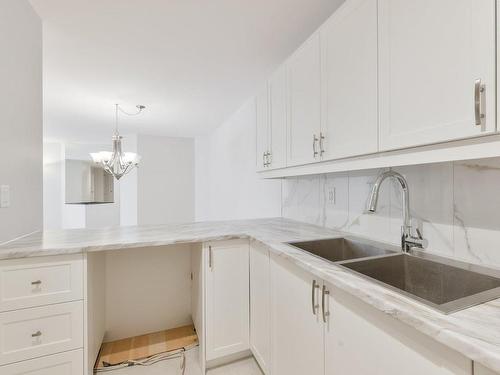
point(361, 340)
point(481, 370)
point(260, 314)
point(39, 331)
point(69, 363)
point(227, 298)
point(296, 322)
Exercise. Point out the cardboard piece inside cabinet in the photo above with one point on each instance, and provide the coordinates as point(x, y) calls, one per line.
point(144, 346)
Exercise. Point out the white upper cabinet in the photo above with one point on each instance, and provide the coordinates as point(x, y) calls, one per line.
point(349, 80)
point(262, 128)
point(434, 58)
point(278, 118)
point(304, 77)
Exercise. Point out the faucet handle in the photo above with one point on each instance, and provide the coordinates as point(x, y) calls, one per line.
point(419, 234)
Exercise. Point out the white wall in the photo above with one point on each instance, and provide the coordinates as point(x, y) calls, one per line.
point(21, 119)
point(165, 180)
point(53, 188)
point(227, 186)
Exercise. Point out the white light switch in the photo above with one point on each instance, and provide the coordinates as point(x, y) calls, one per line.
point(4, 196)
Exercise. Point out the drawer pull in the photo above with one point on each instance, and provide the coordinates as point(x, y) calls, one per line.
point(36, 334)
point(38, 282)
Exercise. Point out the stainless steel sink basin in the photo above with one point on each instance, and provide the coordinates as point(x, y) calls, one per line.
point(342, 249)
point(440, 283)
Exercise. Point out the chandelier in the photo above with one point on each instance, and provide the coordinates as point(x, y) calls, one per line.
point(117, 162)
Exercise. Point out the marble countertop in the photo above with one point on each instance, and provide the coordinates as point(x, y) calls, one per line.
point(474, 332)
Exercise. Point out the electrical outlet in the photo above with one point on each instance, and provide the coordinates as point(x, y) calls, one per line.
point(4, 196)
point(331, 195)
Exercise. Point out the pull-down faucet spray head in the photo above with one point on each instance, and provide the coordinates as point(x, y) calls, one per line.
point(407, 239)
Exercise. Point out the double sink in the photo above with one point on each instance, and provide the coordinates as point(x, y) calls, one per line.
point(440, 283)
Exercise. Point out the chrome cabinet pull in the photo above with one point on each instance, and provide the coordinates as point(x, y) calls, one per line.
point(210, 262)
point(269, 158)
point(36, 334)
point(479, 89)
point(313, 297)
point(323, 304)
point(321, 144)
point(315, 139)
point(37, 282)
point(263, 159)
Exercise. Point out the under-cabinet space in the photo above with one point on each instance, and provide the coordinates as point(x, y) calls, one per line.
point(132, 292)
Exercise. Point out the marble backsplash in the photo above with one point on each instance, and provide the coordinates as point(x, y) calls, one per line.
point(456, 205)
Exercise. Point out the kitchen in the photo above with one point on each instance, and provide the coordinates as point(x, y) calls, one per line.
point(276, 188)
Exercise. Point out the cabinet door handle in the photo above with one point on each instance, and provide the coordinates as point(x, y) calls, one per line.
point(210, 262)
point(315, 139)
point(479, 89)
point(36, 334)
point(37, 282)
point(264, 159)
point(326, 314)
point(321, 144)
point(313, 297)
point(269, 158)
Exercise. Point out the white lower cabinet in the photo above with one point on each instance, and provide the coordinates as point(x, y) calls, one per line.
point(260, 305)
point(69, 363)
point(296, 325)
point(317, 329)
point(227, 298)
point(481, 370)
point(39, 331)
point(40, 281)
point(362, 340)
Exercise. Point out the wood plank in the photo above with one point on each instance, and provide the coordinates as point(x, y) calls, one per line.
point(144, 346)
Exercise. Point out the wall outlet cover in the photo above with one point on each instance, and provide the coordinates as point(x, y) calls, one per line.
point(4, 196)
point(331, 195)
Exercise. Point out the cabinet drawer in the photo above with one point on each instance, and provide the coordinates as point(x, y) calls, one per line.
point(40, 331)
point(69, 363)
point(40, 281)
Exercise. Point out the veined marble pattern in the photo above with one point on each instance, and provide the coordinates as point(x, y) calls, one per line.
point(455, 205)
point(474, 332)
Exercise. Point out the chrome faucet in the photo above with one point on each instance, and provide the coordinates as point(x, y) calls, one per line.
point(408, 240)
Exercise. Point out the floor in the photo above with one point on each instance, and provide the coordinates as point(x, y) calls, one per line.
point(246, 366)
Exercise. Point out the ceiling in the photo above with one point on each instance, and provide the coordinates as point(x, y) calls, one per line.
point(191, 62)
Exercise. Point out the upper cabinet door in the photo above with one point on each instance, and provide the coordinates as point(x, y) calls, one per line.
point(349, 80)
point(278, 118)
point(262, 129)
point(434, 58)
point(304, 78)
